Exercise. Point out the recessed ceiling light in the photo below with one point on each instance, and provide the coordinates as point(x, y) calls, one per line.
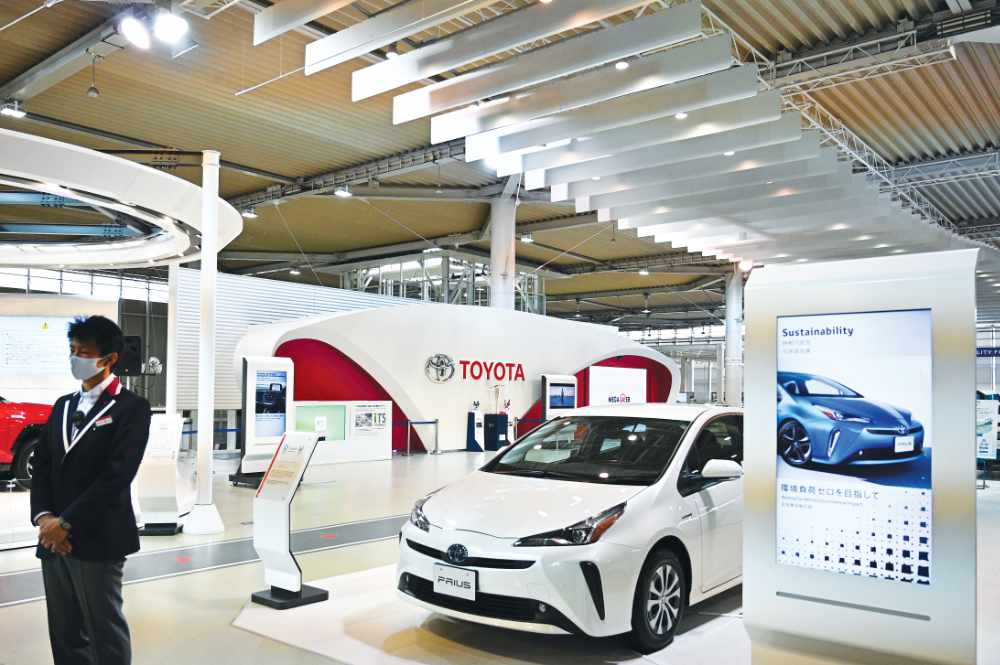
point(527, 239)
point(897, 251)
point(621, 65)
point(729, 153)
point(646, 310)
point(839, 227)
point(801, 260)
point(780, 256)
point(863, 238)
point(745, 265)
point(681, 116)
point(431, 250)
point(882, 245)
point(343, 192)
point(294, 272)
point(391, 54)
point(135, 32)
point(643, 272)
point(250, 213)
point(596, 178)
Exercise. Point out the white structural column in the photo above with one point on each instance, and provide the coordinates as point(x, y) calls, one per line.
point(734, 339)
point(502, 250)
point(204, 517)
point(171, 368)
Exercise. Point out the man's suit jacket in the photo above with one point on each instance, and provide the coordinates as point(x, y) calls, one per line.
point(86, 479)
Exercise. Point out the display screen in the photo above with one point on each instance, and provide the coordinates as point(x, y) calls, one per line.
point(616, 385)
point(269, 403)
point(854, 444)
point(562, 396)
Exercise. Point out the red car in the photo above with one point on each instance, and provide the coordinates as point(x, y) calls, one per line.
point(21, 426)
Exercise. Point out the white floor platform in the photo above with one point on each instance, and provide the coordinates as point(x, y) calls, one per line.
point(364, 623)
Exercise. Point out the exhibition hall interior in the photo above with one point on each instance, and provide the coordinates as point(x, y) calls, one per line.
point(468, 332)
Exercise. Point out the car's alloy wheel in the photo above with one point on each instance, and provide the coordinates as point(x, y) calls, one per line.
point(24, 466)
point(663, 606)
point(660, 601)
point(794, 445)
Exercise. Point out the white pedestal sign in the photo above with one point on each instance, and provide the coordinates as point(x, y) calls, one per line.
point(272, 524)
point(859, 496)
point(157, 478)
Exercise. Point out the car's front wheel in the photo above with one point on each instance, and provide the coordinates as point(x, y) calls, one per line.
point(794, 445)
point(24, 467)
point(660, 601)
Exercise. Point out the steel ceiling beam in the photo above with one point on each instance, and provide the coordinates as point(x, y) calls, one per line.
point(667, 263)
point(697, 285)
point(982, 164)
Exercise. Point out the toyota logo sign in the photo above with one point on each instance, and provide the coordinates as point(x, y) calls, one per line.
point(439, 368)
point(457, 554)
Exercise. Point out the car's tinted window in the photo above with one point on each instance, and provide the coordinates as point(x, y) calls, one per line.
point(720, 439)
point(613, 450)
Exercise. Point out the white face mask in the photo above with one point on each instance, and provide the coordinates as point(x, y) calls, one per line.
point(84, 368)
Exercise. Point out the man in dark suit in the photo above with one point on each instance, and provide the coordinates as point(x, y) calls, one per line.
point(82, 504)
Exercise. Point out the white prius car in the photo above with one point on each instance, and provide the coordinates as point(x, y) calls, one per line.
point(612, 520)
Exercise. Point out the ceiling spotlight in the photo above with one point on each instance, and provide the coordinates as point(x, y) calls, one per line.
point(897, 251)
point(577, 315)
point(882, 245)
point(12, 108)
point(729, 153)
point(527, 239)
point(839, 227)
point(621, 65)
point(801, 260)
point(680, 116)
point(135, 32)
point(250, 213)
point(746, 265)
point(596, 178)
point(294, 272)
point(643, 272)
point(545, 2)
point(770, 182)
point(863, 238)
point(169, 27)
point(431, 250)
point(343, 192)
point(780, 256)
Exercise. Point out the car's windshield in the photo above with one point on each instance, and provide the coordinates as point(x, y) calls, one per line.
point(595, 449)
point(814, 386)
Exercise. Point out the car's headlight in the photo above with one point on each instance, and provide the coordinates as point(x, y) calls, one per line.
point(417, 517)
point(833, 414)
point(582, 533)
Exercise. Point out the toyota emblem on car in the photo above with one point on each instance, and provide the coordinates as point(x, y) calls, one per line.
point(439, 368)
point(457, 554)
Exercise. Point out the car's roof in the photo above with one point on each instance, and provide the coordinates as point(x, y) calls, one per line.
point(665, 411)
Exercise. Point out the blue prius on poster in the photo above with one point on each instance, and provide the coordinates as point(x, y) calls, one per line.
point(854, 444)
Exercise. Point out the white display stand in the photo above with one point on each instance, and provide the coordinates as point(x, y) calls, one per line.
point(367, 434)
point(616, 385)
point(272, 521)
point(157, 477)
point(901, 332)
point(987, 421)
point(263, 431)
point(559, 394)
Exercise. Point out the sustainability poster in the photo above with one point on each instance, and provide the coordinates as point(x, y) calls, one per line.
point(269, 405)
point(855, 443)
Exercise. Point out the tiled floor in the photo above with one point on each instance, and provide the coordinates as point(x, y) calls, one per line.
point(188, 619)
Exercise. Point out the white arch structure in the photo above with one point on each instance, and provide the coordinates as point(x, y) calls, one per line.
point(169, 204)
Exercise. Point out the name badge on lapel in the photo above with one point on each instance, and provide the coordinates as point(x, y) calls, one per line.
point(107, 420)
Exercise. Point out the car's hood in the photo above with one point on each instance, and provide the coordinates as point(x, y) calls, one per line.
point(516, 506)
point(879, 413)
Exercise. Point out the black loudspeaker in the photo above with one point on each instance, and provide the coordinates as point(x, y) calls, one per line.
point(130, 359)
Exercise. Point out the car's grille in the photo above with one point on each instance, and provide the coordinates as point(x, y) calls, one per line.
point(490, 605)
point(472, 561)
point(893, 432)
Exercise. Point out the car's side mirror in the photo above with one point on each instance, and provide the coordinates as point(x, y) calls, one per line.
point(721, 469)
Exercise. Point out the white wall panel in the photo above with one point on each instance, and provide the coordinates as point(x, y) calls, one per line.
point(500, 34)
point(685, 62)
point(383, 29)
point(562, 59)
point(785, 130)
point(242, 302)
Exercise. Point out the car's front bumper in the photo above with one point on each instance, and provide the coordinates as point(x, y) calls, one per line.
point(869, 445)
point(541, 589)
